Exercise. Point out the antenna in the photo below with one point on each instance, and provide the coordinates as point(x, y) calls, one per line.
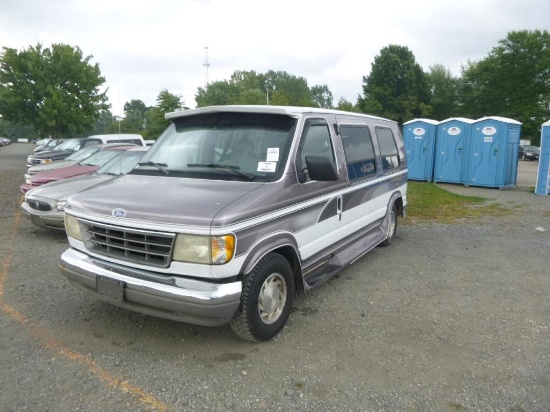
point(206, 64)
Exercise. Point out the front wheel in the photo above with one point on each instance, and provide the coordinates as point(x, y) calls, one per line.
point(392, 227)
point(266, 299)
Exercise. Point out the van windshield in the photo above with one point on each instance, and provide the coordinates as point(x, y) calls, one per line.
point(222, 146)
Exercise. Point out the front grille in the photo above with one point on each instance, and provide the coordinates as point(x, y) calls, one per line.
point(39, 205)
point(35, 161)
point(138, 246)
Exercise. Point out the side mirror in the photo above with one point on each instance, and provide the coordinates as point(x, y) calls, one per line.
point(321, 168)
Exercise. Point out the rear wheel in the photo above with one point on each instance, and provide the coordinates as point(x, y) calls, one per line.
point(266, 299)
point(392, 226)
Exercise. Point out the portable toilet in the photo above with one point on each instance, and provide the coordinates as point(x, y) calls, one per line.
point(543, 176)
point(453, 141)
point(419, 136)
point(493, 153)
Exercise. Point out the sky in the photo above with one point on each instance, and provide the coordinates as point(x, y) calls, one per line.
point(143, 46)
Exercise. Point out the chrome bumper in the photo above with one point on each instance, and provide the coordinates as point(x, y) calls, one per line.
point(191, 301)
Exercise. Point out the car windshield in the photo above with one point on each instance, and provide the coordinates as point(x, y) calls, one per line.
point(530, 148)
point(83, 153)
point(222, 146)
point(100, 158)
point(123, 163)
point(73, 145)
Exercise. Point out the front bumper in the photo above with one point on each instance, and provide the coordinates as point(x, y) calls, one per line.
point(186, 300)
point(53, 219)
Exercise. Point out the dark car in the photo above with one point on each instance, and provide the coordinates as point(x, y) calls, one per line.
point(529, 152)
point(62, 151)
point(85, 167)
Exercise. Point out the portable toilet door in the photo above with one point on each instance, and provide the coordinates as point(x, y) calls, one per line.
point(453, 140)
point(419, 137)
point(543, 176)
point(493, 155)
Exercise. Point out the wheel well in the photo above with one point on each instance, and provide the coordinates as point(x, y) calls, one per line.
point(399, 205)
point(289, 254)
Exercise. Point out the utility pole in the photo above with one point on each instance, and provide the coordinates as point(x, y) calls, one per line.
point(206, 64)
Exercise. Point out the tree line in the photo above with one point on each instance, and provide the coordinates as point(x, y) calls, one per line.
point(57, 91)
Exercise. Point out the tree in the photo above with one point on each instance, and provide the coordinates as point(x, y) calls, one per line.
point(346, 105)
point(397, 87)
point(55, 89)
point(166, 103)
point(512, 81)
point(134, 117)
point(444, 92)
point(274, 87)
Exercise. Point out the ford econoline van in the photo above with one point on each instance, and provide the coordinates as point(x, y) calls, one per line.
point(235, 207)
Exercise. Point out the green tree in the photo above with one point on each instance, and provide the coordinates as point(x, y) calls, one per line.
point(276, 87)
point(346, 105)
point(444, 93)
point(55, 89)
point(166, 103)
point(397, 87)
point(134, 117)
point(512, 81)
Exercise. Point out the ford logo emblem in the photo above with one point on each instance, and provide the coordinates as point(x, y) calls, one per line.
point(119, 212)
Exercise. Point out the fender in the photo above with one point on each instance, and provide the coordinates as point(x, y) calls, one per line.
point(269, 243)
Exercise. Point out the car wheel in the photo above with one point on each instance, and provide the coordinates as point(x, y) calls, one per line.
point(266, 299)
point(392, 227)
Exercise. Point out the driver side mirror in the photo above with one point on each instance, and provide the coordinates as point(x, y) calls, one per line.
point(319, 168)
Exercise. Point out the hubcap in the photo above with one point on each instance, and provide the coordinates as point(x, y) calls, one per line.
point(272, 298)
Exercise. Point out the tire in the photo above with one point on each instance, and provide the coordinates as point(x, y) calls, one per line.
point(266, 299)
point(392, 226)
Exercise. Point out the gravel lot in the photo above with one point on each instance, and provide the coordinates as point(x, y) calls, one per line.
point(449, 318)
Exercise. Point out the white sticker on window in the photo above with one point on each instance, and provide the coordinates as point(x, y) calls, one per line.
point(267, 166)
point(272, 154)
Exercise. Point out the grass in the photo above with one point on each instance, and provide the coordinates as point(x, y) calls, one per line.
point(429, 203)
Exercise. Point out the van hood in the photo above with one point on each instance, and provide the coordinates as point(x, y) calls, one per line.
point(167, 200)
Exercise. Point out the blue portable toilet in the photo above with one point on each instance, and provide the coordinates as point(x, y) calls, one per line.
point(453, 141)
point(419, 136)
point(543, 176)
point(493, 153)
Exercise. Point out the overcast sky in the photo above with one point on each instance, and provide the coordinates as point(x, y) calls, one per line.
point(145, 46)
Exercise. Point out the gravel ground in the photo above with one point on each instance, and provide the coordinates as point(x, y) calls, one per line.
point(449, 318)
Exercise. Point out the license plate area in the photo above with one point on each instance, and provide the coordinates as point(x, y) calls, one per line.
point(110, 288)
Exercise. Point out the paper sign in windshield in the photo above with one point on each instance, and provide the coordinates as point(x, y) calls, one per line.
point(267, 167)
point(272, 154)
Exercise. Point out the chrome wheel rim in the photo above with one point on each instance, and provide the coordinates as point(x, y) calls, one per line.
point(272, 298)
point(391, 224)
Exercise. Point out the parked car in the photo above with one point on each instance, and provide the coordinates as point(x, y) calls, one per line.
point(47, 144)
point(529, 152)
point(72, 145)
point(232, 207)
point(4, 141)
point(84, 167)
point(44, 205)
point(69, 161)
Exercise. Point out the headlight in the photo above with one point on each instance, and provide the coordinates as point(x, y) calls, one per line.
point(46, 161)
point(204, 249)
point(72, 227)
point(60, 205)
point(28, 181)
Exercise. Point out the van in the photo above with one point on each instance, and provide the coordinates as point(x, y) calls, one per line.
point(234, 208)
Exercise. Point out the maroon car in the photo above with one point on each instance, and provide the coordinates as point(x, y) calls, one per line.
point(87, 166)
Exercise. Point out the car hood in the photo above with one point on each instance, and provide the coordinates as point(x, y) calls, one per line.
point(49, 166)
point(54, 154)
point(62, 173)
point(61, 190)
point(166, 200)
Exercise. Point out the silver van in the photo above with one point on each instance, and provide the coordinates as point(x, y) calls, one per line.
point(235, 207)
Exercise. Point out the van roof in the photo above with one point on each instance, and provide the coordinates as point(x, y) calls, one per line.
point(293, 111)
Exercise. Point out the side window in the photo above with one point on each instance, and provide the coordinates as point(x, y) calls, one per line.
point(388, 149)
point(315, 142)
point(360, 158)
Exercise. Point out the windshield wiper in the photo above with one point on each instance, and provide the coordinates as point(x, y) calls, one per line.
point(234, 169)
point(159, 166)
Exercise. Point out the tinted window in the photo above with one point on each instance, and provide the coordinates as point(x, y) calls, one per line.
point(360, 158)
point(315, 142)
point(388, 148)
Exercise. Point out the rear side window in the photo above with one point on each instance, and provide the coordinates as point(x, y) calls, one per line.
point(388, 148)
point(360, 158)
